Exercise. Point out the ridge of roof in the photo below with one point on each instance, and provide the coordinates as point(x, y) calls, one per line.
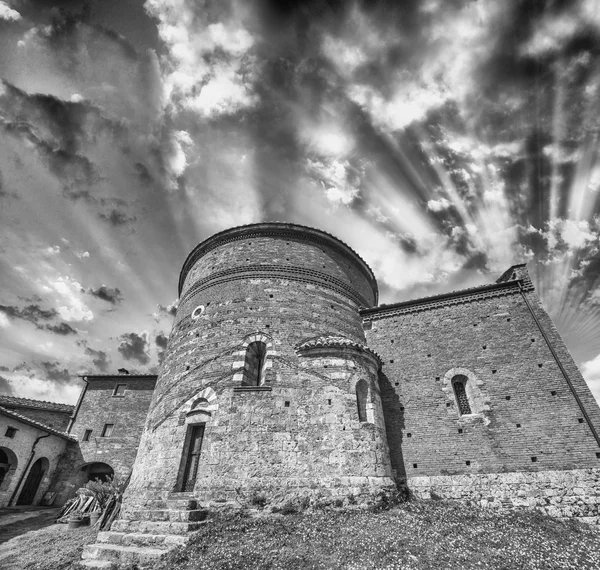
point(35, 404)
point(36, 424)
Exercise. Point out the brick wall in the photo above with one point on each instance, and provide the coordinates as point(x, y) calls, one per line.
point(526, 409)
point(252, 439)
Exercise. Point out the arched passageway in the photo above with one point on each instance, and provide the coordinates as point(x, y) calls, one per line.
point(32, 482)
point(101, 471)
point(8, 465)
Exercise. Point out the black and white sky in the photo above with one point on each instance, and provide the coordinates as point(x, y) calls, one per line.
point(444, 140)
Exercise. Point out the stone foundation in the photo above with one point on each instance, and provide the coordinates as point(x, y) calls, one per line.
point(572, 493)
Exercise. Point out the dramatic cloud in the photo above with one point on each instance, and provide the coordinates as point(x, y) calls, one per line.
point(117, 217)
point(99, 358)
point(133, 346)
point(63, 329)
point(31, 313)
point(110, 295)
point(55, 373)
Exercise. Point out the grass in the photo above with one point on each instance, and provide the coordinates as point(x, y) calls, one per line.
point(51, 548)
point(423, 535)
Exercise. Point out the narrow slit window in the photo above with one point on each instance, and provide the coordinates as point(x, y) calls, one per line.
point(254, 364)
point(459, 384)
point(86, 435)
point(362, 390)
point(107, 430)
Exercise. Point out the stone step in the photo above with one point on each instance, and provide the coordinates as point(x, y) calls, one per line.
point(97, 564)
point(183, 504)
point(142, 539)
point(156, 527)
point(172, 515)
point(121, 553)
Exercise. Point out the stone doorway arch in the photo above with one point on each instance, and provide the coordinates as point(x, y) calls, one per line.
point(32, 482)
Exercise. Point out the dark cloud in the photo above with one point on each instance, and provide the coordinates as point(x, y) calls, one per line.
point(61, 328)
point(99, 358)
point(134, 346)
point(108, 294)
point(117, 217)
point(6, 387)
point(31, 313)
point(161, 341)
point(55, 373)
point(4, 369)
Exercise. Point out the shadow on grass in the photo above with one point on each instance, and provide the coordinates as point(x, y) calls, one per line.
point(22, 521)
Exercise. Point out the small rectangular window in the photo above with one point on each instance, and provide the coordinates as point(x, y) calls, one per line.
point(108, 429)
point(10, 432)
point(87, 434)
point(120, 390)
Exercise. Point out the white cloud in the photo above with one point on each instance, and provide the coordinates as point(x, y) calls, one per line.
point(591, 372)
point(4, 322)
point(82, 254)
point(7, 13)
point(438, 205)
point(337, 177)
point(68, 299)
point(210, 86)
point(572, 233)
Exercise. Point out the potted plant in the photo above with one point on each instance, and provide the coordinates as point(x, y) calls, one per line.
point(76, 519)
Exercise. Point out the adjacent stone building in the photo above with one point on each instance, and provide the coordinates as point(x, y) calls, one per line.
point(30, 453)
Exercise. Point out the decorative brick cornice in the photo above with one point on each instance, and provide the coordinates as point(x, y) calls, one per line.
point(282, 230)
point(275, 272)
point(447, 299)
point(332, 341)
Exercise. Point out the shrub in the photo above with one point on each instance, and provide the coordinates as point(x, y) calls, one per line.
point(258, 499)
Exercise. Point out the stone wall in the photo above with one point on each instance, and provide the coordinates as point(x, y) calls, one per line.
point(18, 449)
point(572, 493)
point(525, 416)
point(127, 413)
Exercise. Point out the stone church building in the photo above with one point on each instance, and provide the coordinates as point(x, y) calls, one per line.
point(283, 376)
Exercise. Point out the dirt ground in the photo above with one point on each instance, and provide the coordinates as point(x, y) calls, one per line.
point(30, 540)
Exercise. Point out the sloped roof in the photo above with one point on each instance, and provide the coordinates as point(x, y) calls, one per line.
point(34, 423)
point(37, 404)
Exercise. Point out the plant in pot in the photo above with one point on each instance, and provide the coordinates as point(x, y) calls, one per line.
point(76, 519)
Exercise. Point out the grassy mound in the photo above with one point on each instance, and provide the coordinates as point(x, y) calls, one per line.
point(416, 535)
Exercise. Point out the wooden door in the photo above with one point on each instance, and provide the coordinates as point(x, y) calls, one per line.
point(193, 458)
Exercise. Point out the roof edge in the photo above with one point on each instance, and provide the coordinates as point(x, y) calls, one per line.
point(275, 228)
point(36, 424)
point(441, 296)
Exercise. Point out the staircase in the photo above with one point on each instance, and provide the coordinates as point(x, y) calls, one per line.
point(146, 534)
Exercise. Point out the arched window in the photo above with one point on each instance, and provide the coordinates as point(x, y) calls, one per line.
point(362, 390)
point(459, 384)
point(254, 364)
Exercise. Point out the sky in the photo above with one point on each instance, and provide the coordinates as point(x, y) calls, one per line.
point(443, 140)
